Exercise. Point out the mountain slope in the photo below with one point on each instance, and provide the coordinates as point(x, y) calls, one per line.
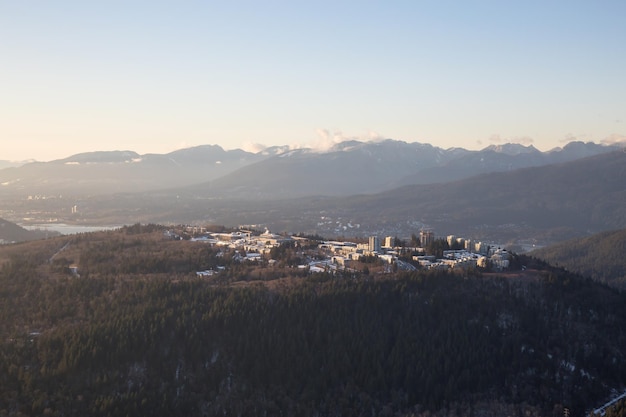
point(138, 334)
point(122, 171)
point(348, 168)
point(11, 232)
point(548, 203)
point(600, 256)
point(502, 158)
point(371, 167)
point(579, 196)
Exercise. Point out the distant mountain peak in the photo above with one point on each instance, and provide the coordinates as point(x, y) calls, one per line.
point(101, 157)
point(351, 166)
point(512, 149)
point(580, 149)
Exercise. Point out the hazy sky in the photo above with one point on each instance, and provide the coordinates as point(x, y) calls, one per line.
point(154, 76)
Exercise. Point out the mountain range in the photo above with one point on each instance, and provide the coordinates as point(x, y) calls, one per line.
point(106, 172)
point(542, 204)
point(508, 193)
point(358, 167)
point(350, 167)
point(530, 206)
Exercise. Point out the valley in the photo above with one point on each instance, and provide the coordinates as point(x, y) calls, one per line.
point(522, 207)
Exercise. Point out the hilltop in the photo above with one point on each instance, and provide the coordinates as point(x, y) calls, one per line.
point(132, 330)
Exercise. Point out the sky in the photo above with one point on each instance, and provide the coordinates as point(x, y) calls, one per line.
point(155, 76)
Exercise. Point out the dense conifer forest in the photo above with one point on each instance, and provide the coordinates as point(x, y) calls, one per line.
point(135, 332)
point(600, 256)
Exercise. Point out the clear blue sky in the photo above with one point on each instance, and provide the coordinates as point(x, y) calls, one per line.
point(154, 76)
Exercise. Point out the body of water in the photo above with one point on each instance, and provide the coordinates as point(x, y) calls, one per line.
point(68, 229)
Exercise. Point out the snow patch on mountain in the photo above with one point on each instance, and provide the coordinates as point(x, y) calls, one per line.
point(512, 149)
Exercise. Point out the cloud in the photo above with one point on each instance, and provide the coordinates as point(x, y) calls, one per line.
point(614, 139)
point(375, 136)
point(523, 140)
point(253, 147)
point(580, 137)
point(568, 138)
point(326, 140)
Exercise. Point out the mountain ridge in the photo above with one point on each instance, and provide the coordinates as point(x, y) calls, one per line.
point(371, 167)
point(541, 204)
point(538, 204)
point(346, 168)
point(103, 172)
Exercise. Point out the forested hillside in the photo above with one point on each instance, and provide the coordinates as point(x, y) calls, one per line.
point(601, 256)
point(11, 232)
point(136, 333)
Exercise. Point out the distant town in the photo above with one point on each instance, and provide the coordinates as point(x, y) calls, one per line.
point(317, 255)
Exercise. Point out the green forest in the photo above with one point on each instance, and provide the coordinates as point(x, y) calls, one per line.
point(136, 333)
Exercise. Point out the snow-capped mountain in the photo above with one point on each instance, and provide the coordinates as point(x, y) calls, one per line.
point(123, 171)
point(350, 167)
point(370, 167)
point(512, 149)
